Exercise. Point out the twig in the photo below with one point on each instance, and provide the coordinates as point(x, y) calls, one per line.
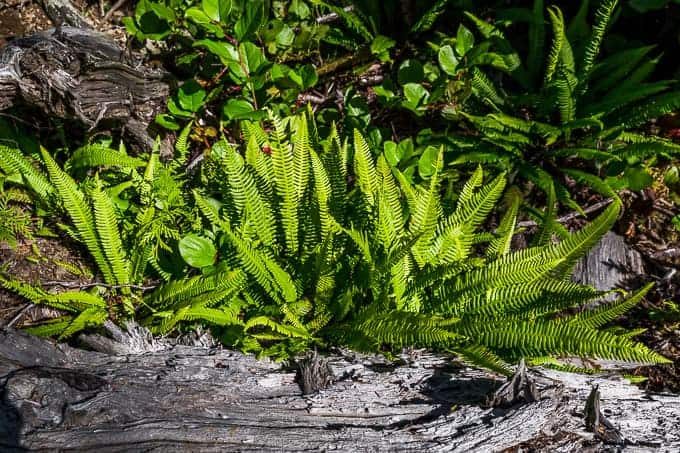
point(304, 98)
point(66, 284)
point(572, 215)
point(332, 17)
point(114, 8)
point(19, 314)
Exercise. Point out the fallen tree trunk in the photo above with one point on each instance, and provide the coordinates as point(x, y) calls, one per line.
point(186, 398)
point(610, 264)
point(82, 75)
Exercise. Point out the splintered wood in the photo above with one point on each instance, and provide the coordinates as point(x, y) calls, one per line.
point(174, 398)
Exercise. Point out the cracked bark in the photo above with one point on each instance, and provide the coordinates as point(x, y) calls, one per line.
point(185, 398)
point(83, 75)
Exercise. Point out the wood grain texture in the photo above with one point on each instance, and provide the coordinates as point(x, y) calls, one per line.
point(83, 75)
point(609, 264)
point(184, 398)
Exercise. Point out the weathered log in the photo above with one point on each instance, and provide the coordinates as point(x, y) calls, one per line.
point(82, 75)
point(182, 398)
point(63, 12)
point(609, 264)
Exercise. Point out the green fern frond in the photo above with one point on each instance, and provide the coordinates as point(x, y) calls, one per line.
point(427, 20)
point(623, 96)
point(500, 246)
point(653, 107)
point(535, 338)
point(403, 328)
point(257, 209)
point(13, 161)
point(536, 40)
point(287, 331)
point(210, 211)
point(484, 88)
point(49, 328)
point(613, 70)
point(95, 155)
point(272, 277)
point(576, 246)
point(109, 234)
point(284, 172)
point(87, 318)
point(182, 145)
point(602, 16)
point(608, 311)
point(76, 206)
point(478, 355)
point(559, 41)
point(301, 160)
point(364, 167)
point(592, 181)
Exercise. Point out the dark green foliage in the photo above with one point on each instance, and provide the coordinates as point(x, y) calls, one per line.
point(578, 107)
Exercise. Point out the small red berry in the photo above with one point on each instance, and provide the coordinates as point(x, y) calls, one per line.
point(267, 150)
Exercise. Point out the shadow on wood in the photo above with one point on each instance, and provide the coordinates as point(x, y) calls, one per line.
point(184, 398)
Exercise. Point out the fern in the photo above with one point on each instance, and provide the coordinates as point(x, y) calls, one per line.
point(602, 16)
point(427, 20)
point(383, 276)
point(91, 156)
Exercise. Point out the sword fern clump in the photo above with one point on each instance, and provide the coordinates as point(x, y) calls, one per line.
point(123, 243)
point(340, 248)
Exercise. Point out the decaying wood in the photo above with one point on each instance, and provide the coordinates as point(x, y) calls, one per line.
point(519, 389)
point(184, 398)
point(597, 423)
point(63, 12)
point(82, 75)
point(609, 264)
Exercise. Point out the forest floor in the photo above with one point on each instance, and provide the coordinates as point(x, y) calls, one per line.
point(646, 225)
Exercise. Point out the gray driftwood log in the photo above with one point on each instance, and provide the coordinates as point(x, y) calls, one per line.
point(82, 75)
point(609, 264)
point(175, 398)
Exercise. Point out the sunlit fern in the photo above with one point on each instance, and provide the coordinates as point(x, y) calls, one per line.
point(352, 253)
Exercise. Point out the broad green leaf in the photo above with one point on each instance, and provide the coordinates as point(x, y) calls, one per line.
point(447, 60)
point(167, 121)
point(465, 40)
point(410, 71)
point(197, 251)
point(217, 10)
point(224, 50)
point(253, 57)
point(299, 8)
point(253, 17)
point(236, 109)
point(285, 37)
point(416, 97)
point(393, 153)
point(308, 76)
point(381, 46)
point(191, 96)
point(427, 164)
